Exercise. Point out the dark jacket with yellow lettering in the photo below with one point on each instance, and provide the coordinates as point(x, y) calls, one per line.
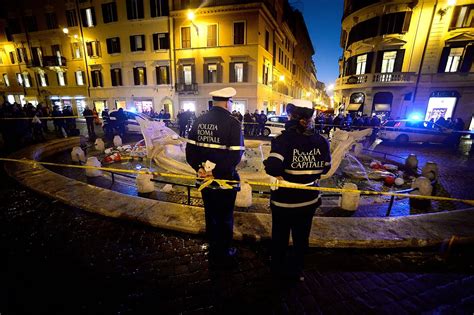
point(216, 136)
point(301, 159)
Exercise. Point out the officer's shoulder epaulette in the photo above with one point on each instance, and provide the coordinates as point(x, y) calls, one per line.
point(234, 119)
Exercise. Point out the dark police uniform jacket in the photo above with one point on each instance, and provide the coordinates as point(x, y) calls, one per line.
point(216, 136)
point(300, 159)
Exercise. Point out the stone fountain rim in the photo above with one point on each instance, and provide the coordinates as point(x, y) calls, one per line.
point(415, 231)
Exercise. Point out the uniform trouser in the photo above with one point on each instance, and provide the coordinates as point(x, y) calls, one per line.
point(219, 212)
point(298, 221)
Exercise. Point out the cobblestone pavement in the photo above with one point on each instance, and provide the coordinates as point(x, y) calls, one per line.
point(61, 260)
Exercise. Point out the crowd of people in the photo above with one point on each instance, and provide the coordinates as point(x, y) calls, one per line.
point(23, 125)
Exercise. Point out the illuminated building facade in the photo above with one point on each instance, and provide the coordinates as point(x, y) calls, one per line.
point(155, 54)
point(407, 58)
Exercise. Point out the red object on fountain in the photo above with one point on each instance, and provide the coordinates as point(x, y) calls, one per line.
point(389, 180)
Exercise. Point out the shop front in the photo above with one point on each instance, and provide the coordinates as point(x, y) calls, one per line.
point(441, 104)
point(142, 105)
point(356, 103)
point(382, 104)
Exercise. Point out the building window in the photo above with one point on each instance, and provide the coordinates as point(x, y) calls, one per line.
point(109, 12)
point(238, 72)
point(19, 79)
point(267, 40)
point(71, 18)
point(88, 17)
point(265, 72)
point(239, 33)
point(212, 35)
point(61, 79)
point(116, 76)
point(159, 8)
point(43, 79)
point(79, 77)
point(210, 74)
point(96, 76)
point(93, 49)
point(137, 43)
point(388, 61)
point(113, 45)
point(6, 80)
point(56, 50)
point(26, 80)
point(361, 64)
point(51, 21)
point(21, 54)
point(162, 75)
point(139, 75)
point(454, 59)
point(463, 16)
point(12, 57)
point(161, 41)
point(135, 9)
point(30, 23)
point(76, 50)
point(37, 56)
point(186, 37)
point(188, 74)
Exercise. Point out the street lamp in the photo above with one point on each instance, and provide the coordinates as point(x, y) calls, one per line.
point(66, 30)
point(191, 16)
point(442, 12)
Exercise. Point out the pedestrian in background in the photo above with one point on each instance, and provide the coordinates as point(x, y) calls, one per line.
point(89, 116)
point(298, 156)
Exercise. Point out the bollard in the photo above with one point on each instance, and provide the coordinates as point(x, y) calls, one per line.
point(93, 161)
point(117, 141)
point(144, 183)
point(350, 200)
point(78, 155)
point(99, 145)
point(244, 196)
point(430, 171)
point(411, 162)
point(424, 188)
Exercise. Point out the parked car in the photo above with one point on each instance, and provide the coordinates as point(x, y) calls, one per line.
point(274, 125)
point(403, 131)
point(131, 125)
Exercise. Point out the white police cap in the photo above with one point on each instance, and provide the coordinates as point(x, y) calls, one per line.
point(223, 94)
point(302, 103)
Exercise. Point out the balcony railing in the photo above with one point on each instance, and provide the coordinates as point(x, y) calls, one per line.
point(369, 78)
point(49, 61)
point(183, 88)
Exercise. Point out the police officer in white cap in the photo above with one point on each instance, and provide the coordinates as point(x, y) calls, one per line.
point(214, 149)
point(299, 156)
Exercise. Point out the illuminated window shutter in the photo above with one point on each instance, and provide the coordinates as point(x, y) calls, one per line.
point(232, 72)
point(467, 59)
point(368, 65)
point(443, 60)
point(399, 60)
point(205, 71)
point(219, 73)
point(245, 72)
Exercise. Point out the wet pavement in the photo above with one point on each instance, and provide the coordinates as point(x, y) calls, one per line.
point(60, 260)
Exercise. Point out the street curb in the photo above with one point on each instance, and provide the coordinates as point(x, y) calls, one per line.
point(413, 231)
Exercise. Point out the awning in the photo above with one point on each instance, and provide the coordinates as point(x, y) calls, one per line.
point(353, 107)
point(382, 107)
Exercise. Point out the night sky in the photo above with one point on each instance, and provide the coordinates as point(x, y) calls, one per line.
point(323, 19)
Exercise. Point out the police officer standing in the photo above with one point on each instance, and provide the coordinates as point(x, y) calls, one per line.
point(297, 156)
point(214, 149)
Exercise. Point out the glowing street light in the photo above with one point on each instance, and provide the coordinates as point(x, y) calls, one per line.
point(191, 15)
point(282, 78)
point(65, 30)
